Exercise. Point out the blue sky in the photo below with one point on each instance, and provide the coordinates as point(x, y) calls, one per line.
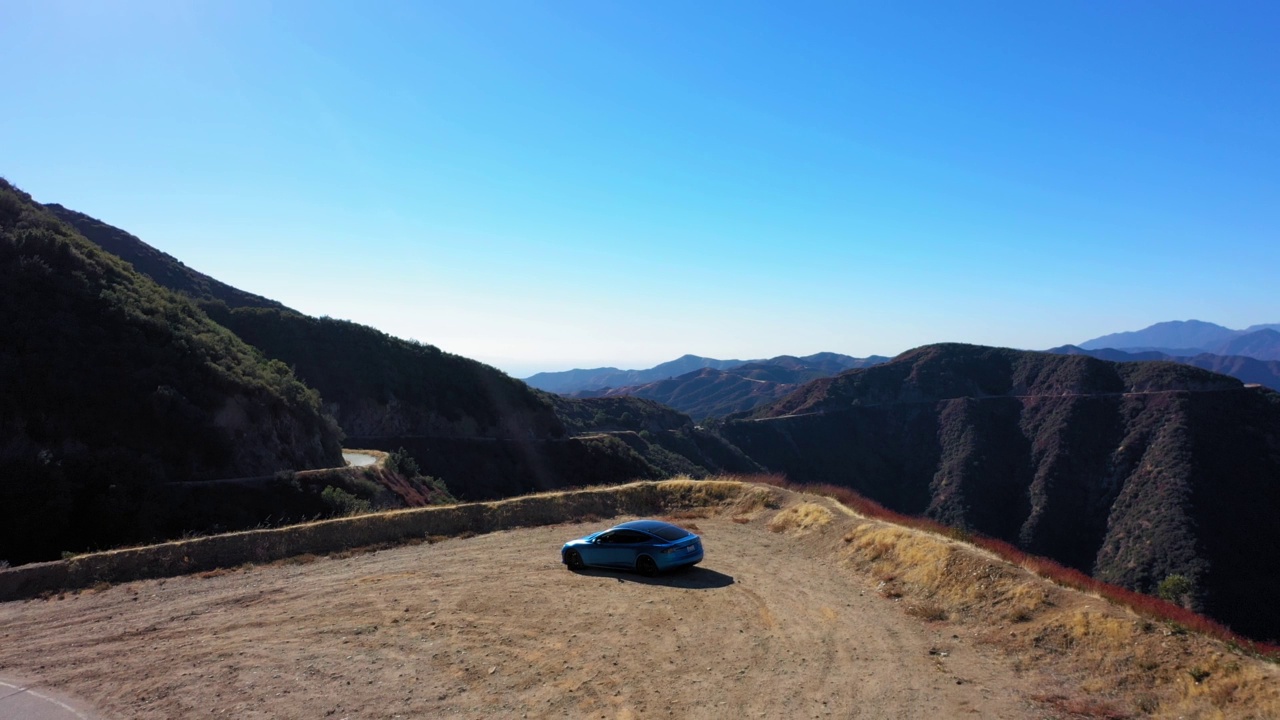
point(573, 184)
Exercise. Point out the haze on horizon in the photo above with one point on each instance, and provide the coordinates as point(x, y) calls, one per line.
point(552, 185)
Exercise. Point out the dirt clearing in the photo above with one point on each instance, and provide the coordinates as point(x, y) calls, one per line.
point(770, 625)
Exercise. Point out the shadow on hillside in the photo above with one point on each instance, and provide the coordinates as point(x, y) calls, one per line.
point(694, 578)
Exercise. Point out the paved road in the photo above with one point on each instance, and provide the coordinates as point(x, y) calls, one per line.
point(358, 459)
point(20, 702)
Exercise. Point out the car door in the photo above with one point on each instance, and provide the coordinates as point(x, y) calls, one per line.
point(622, 547)
point(596, 552)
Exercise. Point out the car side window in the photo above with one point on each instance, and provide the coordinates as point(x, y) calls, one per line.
point(607, 538)
point(629, 536)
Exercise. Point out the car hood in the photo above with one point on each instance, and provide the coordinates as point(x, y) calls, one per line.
point(582, 540)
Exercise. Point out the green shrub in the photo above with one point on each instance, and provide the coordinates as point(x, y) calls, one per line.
point(401, 462)
point(341, 502)
point(1175, 588)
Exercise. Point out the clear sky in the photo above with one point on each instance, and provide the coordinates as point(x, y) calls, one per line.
point(573, 184)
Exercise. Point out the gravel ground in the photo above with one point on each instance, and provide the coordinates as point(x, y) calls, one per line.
point(770, 625)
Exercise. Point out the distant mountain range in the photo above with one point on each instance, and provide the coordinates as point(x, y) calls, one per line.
point(1186, 338)
point(713, 393)
point(704, 387)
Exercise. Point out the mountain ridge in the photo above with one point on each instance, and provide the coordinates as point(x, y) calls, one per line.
point(710, 393)
point(1246, 369)
point(1132, 472)
point(597, 379)
point(1185, 338)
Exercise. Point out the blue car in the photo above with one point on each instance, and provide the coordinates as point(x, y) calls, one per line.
point(647, 546)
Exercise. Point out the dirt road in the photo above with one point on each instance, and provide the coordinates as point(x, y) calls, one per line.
point(770, 626)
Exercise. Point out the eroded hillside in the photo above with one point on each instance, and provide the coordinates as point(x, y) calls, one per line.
point(1133, 472)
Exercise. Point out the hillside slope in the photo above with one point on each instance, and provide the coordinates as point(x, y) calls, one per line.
point(111, 386)
point(483, 433)
point(713, 393)
point(163, 268)
point(1130, 471)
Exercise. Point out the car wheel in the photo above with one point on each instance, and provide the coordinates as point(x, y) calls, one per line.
point(646, 566)
point(573, 560)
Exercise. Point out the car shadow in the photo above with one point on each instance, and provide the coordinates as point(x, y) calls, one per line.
point(694, 578)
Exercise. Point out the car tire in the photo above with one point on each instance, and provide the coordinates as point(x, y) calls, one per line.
point(574, 560)
point(646, 566)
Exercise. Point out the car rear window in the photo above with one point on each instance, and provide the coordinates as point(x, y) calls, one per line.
point(670, 533)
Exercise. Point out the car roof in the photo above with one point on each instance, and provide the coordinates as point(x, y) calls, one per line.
point(648, 525)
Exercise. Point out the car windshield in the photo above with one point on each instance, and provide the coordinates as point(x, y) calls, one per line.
point(670, 532)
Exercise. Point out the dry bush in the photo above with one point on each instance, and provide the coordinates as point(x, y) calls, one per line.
point(756, 500)
point(805, 516)
point(929, 611)
point(1023, 601)
point(1083, 707)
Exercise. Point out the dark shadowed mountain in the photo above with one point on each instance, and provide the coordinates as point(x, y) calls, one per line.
point(1129, 471)
point(1244, 369)
point(375, 384)
point(715, 393)
point(161, 267)
point(485, 434)
point(113, 388)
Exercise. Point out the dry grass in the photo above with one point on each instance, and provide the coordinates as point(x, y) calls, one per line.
point(926, 610)
point(802, 517)
point(1124, 664)
point(1146, 605)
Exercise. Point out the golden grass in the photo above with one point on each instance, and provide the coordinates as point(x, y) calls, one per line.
point(801, 517)
point(755, 500)
point(1120, 664)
